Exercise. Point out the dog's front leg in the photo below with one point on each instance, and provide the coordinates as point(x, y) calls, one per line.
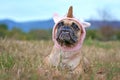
point(53, 58)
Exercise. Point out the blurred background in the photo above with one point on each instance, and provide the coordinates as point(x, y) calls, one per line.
point(32, 19)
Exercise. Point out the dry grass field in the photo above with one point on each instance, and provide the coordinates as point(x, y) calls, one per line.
point(23, 60)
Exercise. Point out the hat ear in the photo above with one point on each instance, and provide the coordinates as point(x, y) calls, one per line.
point(56, 18)
point(86, 24)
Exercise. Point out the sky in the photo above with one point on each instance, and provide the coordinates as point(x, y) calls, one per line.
point(27, 10)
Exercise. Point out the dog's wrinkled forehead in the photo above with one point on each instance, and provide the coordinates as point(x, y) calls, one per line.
point(69, 23)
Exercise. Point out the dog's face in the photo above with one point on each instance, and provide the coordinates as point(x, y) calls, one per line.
point(68, 33)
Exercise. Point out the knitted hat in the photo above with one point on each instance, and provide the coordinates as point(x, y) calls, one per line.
point(82, 24)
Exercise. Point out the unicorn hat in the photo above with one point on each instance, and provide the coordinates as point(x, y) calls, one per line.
point(82, 24)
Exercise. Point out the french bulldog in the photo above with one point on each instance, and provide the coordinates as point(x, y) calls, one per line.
point(68, 35)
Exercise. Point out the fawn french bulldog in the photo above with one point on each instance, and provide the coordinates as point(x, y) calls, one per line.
point(68, 36)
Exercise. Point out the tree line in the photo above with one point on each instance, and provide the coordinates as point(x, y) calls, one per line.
point(105, 33)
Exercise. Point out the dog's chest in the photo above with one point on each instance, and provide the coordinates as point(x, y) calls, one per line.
point(69, 60)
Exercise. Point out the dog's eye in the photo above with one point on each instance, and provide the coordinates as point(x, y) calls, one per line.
point(60, 24)
point(75, 26)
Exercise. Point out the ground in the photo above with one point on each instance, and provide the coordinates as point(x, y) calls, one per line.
point(23, 60)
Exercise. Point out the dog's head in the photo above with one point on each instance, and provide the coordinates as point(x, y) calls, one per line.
point(69, 32)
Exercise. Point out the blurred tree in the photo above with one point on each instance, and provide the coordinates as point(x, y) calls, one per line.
point(3, 30)
point(17, 33)
point(3, 27)
point(91, 34)
point(40, 34)
point(106, 31)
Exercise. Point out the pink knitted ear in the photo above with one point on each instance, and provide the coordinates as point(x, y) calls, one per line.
point(56, 18)
point(85, 24)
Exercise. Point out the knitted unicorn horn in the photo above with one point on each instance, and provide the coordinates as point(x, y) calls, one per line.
point(70, 12)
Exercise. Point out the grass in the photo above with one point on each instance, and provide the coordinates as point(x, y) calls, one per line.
point(23, 60)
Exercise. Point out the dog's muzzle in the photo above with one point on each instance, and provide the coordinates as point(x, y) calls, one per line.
point(65, 35)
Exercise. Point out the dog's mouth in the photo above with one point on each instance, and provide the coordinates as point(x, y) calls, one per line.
point(66, 35)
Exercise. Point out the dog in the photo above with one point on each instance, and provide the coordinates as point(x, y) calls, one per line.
point(68, 35)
